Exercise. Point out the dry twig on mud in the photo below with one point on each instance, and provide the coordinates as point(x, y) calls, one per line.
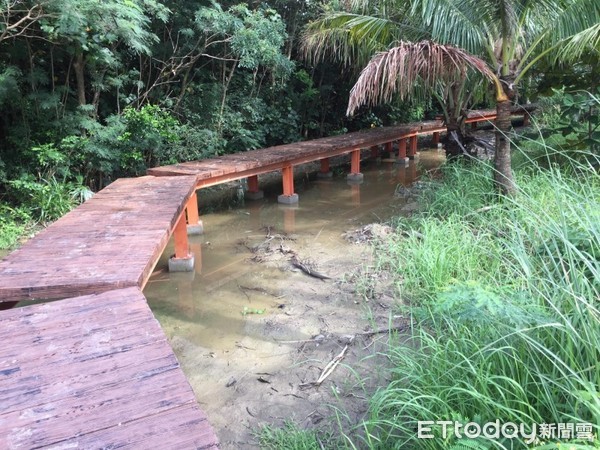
point(329, 368)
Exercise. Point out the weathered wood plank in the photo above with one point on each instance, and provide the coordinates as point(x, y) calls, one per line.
point(110, 242)
point(94, 372)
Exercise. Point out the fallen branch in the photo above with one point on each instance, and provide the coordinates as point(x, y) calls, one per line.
point(307, 270)
point(329, 368)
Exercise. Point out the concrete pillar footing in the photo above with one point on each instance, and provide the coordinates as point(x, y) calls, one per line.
point(402, 161)
point(195, 229)
point(355, 177)
point(182, 264)
point(255, 195)
point(288, 199)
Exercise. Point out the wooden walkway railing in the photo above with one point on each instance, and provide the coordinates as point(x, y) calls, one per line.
point(96, 371)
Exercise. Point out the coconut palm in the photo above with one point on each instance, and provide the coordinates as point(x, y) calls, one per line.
point(433, 66)
point(510, 36)
point(353, 37)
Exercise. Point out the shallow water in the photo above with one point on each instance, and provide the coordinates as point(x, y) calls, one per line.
point(210, 307)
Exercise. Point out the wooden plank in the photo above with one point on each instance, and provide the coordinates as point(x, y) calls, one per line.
point(94, 372)
point(112, 241)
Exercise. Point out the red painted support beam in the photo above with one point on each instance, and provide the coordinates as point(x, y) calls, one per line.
point(191, 208)
point(355, 176)
point(288, 180)
point(389, 147)
point(182, 248)
point(474, 125)
point(436, 138)
point(525, 119)
point(402, 148)
point(194, 224)
point(375, 151)
point(325, 165)
point(253, 184)
point(412, 147)
point(355, 161)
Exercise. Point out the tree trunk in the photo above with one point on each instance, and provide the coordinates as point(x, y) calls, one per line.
point(503, 175)
point(453, 147)
point(454, 141)
point(79, 66)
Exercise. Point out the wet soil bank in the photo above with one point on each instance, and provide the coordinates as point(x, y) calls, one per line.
point(273, 325)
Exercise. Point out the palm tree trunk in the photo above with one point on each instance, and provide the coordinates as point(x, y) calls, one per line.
point(503, 175)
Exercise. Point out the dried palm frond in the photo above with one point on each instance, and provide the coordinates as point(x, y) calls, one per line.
point(398, 70)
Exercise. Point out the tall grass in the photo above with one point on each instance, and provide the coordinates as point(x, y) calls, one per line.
point(507, 295)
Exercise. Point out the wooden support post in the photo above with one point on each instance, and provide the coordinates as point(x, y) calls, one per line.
point(436, 138)
point(402, 148)
point(375, 151)
point(325, 171)
point(412, 147)
point(288, 180)
point(191, 208)
point(473, 125)
point(525, 119)
point(194, 224)
point(253, 183)
point(182, 248)
point(355, 161)
point(355, 176)
point(288, 196)
point(389, 147)
point(254, 193)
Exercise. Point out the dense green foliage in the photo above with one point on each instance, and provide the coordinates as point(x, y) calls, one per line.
point(92, 91)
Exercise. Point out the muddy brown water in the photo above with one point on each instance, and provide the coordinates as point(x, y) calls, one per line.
point(251, 331)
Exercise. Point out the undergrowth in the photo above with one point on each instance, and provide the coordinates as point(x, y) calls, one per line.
point(504, 294)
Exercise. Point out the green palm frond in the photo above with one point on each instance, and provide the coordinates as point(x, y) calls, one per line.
point(398, 70)
point(588, 39)
point(346, 37)
point(573, 18)
point(462, 23)
point(570, 28)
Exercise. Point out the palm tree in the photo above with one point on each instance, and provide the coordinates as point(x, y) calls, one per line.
point(433, 66)
point(353, 37)
point(510, 36)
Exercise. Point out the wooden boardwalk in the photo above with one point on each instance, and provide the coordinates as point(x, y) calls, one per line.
point(111, 241)
point(94, 372)
point(235, 166)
